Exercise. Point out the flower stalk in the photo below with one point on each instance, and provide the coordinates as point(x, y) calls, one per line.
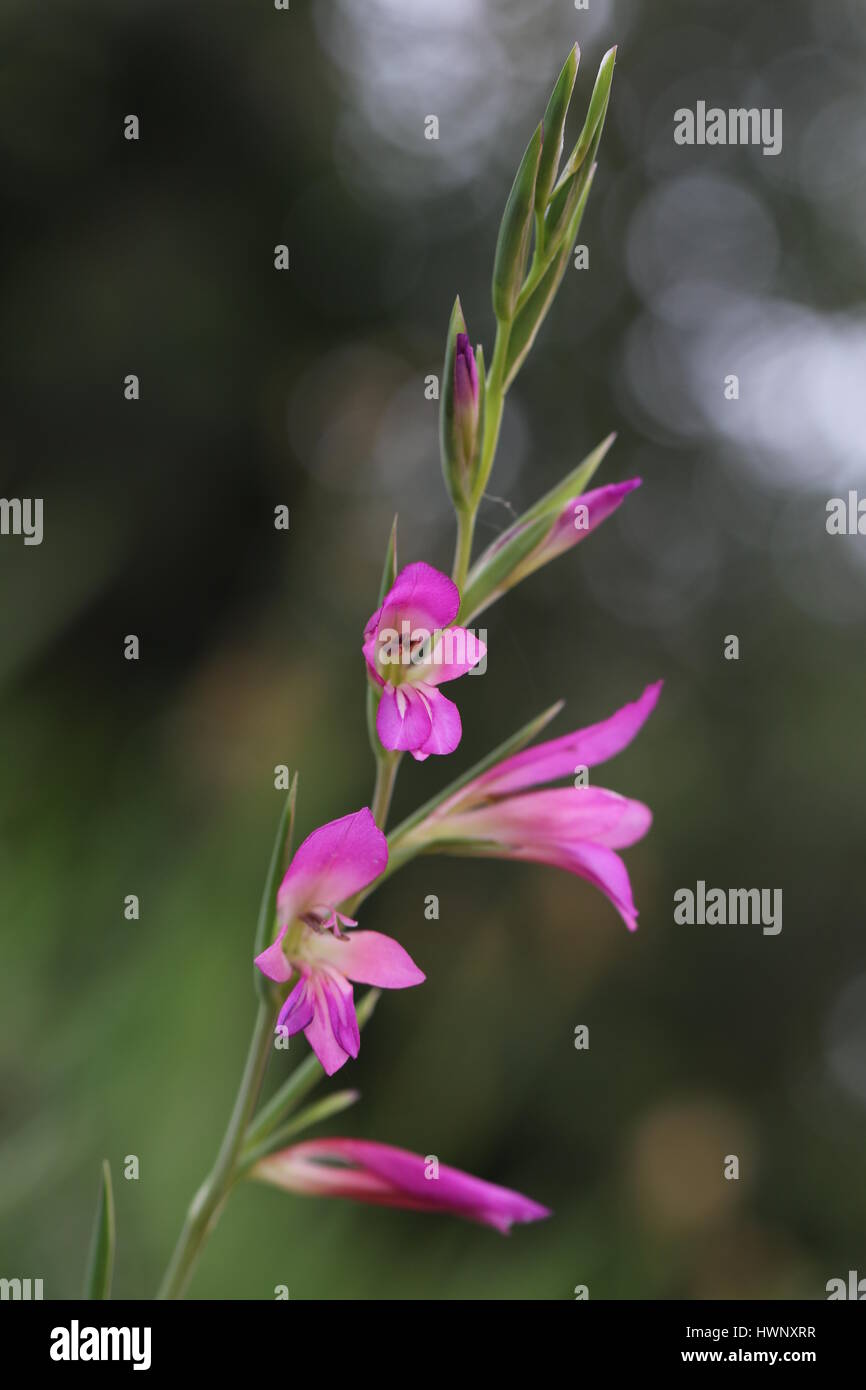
point(307, 951)
point(206, 1204)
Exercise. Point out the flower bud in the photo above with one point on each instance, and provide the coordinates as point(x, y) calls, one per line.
point(465, 398)
point(553, 525)
point(460, 410)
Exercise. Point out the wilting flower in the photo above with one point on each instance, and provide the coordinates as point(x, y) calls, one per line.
point(411, 649)
point(378, 1173)
point(567, 524)
point(335, 862)
point(578, 828)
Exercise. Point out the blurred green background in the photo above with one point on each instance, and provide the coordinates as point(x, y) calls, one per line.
point(306, 388)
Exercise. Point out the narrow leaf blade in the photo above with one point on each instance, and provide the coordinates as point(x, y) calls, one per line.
point(491, 572)
point(497, 564)
point(596, 111)
point(311, 1115)
point(531, 315)
point(512, 245)
point(100, 1263)
point(573, 484)
point(553, 126)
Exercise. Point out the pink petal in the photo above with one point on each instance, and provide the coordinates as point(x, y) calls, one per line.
point(455, 652)
point(599, 503)
point(422, 595)
point(297, 1011)
point(446, 729)
point(336, 861)
point(341, 1010)
point(403, 719)
point(371, 642)
point(320, 1032)
point(560, 756)
point(561, 815)
point(599, 866)
point(272, 962)
point(387, 1176)
point(369, 958)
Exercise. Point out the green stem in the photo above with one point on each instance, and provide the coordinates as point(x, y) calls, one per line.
point(463, 549)
point(386, 775)
point(206, 1204)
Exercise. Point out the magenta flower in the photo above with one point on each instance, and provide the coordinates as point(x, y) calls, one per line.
point(569, 523)
point(332, 864)
point(411, 648)
point(370, 1172)
point(578, 828)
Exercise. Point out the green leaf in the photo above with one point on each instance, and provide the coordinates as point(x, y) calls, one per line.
point(491, 575)
point(389, 569)
point(100, 1263)
point(303, 1079)
point(313, 1114)
point(496, 569)
point(553, 127)
point(504, 750)
point(493, 569)
point(280, 856)
point(531, 315)
point(588, 140)
point(512, 246)
point(563, 205)
point(560, 211)
point(572, 485)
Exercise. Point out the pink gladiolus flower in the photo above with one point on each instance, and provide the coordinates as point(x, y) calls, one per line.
point(370, 1172)
point(577, 828)
point(411, 649)
point(332, 864)
point(573, 520)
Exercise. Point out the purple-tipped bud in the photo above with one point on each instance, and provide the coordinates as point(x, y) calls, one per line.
point(465, 374)
point(461, 409)
point(465, 402)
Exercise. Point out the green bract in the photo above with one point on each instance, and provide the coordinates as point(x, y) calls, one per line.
point(512, 246)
